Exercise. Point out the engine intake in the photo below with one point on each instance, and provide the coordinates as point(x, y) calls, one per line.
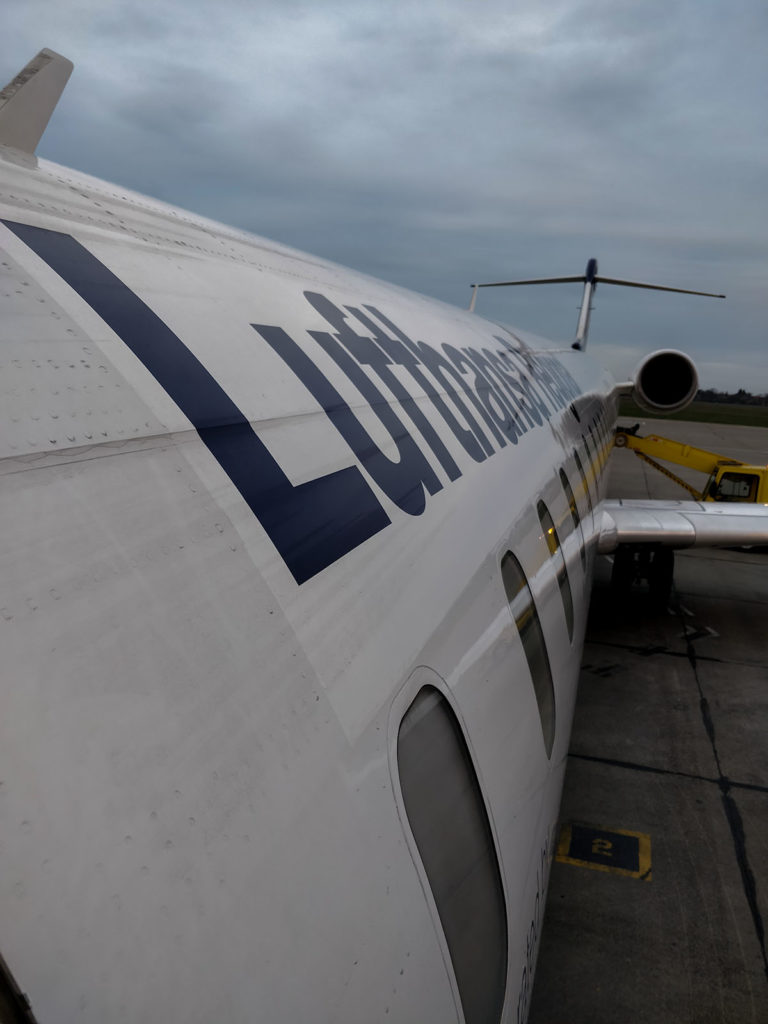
point(665, 381)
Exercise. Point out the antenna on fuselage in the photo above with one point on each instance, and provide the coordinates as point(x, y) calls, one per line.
point(590, 279)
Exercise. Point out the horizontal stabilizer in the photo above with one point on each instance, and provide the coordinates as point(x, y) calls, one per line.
point(533, 280)
point(656, 287)
point(590, 278)
point(27, 102)
point(682, 524)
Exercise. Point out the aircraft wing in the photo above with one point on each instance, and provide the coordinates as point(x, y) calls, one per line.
point(681, 524)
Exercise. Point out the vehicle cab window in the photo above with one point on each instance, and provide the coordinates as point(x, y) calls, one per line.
point(737, 487)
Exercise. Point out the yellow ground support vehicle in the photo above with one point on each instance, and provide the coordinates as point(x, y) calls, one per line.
point(729, 479)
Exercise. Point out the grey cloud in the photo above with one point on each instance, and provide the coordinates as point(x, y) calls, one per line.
point(434, 144)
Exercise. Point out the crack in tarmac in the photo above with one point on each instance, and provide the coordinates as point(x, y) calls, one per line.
point(732, 813)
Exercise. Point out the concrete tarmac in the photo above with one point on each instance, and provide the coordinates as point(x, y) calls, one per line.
point(670, 741)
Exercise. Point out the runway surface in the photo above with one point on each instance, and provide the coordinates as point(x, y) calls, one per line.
point(659, 913)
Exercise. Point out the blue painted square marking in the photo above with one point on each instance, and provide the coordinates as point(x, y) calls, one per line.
point(604, 849)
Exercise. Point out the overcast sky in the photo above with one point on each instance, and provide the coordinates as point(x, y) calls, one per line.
point(438, 143)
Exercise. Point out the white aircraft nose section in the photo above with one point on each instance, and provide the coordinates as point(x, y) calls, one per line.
point(29, 99)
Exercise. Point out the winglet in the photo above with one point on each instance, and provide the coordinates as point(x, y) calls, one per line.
point(27, 102)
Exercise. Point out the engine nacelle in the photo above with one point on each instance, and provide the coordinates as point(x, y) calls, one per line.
point(665, 381)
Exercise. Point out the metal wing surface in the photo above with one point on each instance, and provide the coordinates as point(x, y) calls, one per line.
point(681, 524)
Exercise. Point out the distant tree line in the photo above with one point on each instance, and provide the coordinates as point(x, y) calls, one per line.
point(740, 397)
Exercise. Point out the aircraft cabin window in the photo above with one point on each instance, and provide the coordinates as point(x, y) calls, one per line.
point(590, 463)
point(528, 626)
point(596, 445)
point(574, 509)
point(556, 553)
point(600, 433)
point(583, 476)
point(603, 437)
point(606, 435)
point(447, 815)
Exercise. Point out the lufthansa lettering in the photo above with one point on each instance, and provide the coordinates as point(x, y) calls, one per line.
point(487, 398)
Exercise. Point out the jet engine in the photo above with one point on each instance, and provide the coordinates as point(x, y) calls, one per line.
point(665, 381)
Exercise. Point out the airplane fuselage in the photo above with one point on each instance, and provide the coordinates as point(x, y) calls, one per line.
point(253, 504)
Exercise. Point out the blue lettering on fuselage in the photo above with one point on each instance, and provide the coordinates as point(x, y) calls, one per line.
point(487, 398)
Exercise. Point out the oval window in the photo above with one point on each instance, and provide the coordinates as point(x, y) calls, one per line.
point(583, 475)
point(447, 815)
point(526, 618)
point(574, 510)
point(556, 554)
